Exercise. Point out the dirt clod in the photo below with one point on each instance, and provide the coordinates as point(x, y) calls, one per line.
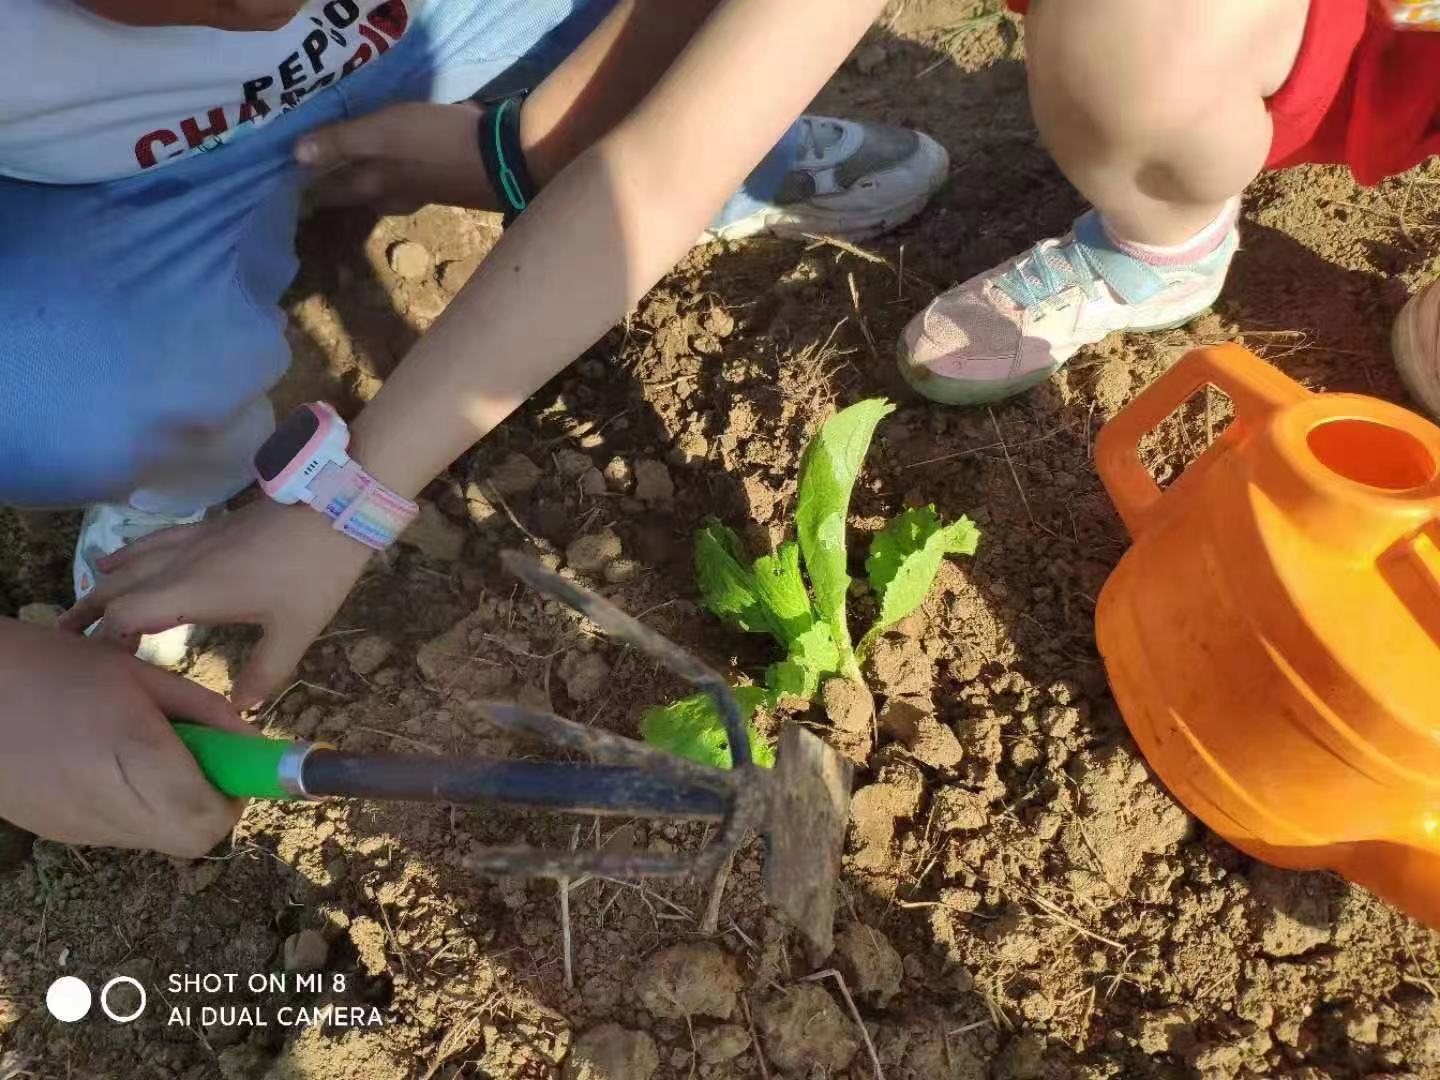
point(802, 1029)
point(306, 951)
point(698, 979)
point(1294, 910)
point(611, 1052)
point(516, 475)
point(368, 654)
point(619, 475)
point(653, 483)
point(722, 1043)
point(433, 534)
point(591, 554)
point(584, 675)
point(869, 963)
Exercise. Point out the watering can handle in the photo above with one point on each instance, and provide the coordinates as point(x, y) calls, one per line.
point(1256, 388)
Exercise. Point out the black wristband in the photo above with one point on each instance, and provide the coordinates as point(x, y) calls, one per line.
point(499, 136)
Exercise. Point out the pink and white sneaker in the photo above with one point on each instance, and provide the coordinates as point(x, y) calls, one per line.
point(1011, 328)
point(1415, 342)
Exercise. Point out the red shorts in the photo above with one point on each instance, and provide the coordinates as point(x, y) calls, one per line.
point(1361, 94)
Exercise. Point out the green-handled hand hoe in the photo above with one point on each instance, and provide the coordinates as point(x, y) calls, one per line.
point(801, 806)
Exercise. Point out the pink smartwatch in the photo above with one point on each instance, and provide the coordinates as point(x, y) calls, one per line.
point(305, 462)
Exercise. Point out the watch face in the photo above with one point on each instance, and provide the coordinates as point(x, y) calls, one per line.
point(285, 445)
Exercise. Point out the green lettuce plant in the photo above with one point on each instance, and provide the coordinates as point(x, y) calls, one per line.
point(809, 624)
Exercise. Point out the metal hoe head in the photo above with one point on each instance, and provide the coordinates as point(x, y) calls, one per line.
point(800, 807)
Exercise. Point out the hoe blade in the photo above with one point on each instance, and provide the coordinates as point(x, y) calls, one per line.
point(805, 832)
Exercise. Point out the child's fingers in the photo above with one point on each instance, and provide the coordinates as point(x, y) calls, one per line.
point(277, 654)
point(163, 540)
point(182, 699)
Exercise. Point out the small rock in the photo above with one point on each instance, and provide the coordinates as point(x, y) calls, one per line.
point(433, 534)
point(621, 570)
point(46, 615)
point(590, 554)
point(516, 475)
point(306, 951)
point(572, 463)
point(584, 675)
point(652, 482)
point(611, 1052)
point(869, 962)
point(618, 475)
point(696, 979)
point(722, 1043)
point(368, 653)
point(410, 260)
point(804, 1029)
point(592, 482)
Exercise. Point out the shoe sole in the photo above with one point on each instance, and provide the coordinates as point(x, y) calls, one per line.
point(950, 391)
point(814, 221)
point(1405, 348)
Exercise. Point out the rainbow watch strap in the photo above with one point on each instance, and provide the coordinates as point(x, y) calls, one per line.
point(360, 506)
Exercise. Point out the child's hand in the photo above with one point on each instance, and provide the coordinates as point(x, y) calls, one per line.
point(90, 757)
point(399, 159)
point(282, 568)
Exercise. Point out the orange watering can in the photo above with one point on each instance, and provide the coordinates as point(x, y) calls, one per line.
point(1273, 636)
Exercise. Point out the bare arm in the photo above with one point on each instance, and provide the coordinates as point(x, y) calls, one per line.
point(606, 229)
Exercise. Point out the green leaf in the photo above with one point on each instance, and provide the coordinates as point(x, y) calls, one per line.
point(828, 472)
point(781, 592)
point(790, 678)
point(905, 557)
point(816, 650)
point(692, 728)
point(726, 585)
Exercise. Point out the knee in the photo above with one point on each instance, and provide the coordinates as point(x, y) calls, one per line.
point(1120, 76)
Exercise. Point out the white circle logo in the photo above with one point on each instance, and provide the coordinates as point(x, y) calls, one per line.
point(68, 999)
point(119, 980)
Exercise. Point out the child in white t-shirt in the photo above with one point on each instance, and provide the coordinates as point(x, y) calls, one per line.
point(152, 155)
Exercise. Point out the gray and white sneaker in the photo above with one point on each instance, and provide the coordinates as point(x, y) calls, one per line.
point(852, 179)
point(108, 527)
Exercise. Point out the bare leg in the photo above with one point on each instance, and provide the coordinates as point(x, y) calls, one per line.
point(1156, 111)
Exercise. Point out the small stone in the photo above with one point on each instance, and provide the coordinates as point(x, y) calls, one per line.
point(368, 653)
point(652, 482)
point(584, 675)
point(869, 963)
point(611, 1052)
point(410, 260)
point(621, 570)
point(46, 615)
point(435, 535)
point(618, 475)
point(306, 951)
point(722, 1043)
point(696, 979)
point(803, 1029)
point(592, 482)
point(590, 554)
point(516, 475)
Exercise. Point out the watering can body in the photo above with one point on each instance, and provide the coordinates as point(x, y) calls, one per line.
point(1272, 637)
